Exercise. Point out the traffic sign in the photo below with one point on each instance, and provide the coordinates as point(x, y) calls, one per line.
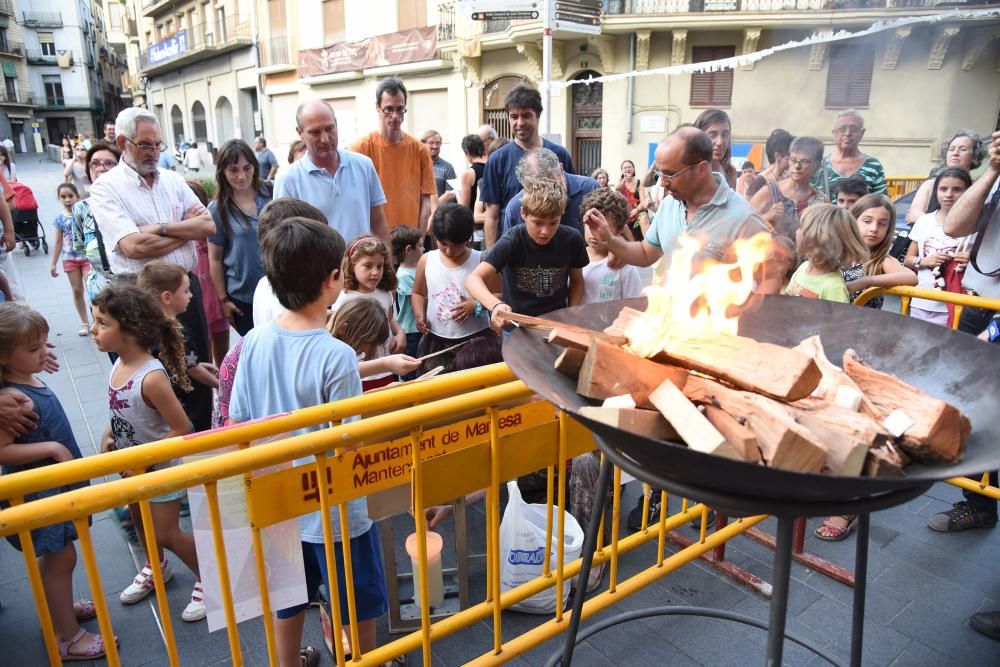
point(501, 10)
point(582, 16)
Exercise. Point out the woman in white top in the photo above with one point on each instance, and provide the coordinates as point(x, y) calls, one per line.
point(75, 171)
point(445, 312)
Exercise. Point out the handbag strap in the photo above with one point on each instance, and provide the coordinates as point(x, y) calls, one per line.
point(989, 210)
point(100, 248)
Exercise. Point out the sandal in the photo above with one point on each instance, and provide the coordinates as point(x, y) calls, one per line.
point(829, 532)
point(84, 610)
point(94, 652)
point(309, 657)
point(84, 330)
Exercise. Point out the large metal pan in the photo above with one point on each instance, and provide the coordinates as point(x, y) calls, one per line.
point(947, 364)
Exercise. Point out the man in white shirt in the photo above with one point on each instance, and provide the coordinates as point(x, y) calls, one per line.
point(192, 158)
point(145, 213)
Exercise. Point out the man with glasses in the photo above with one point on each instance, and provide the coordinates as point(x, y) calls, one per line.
point(846, 159)
point(145, 213)
point(697, 202)
point(341, 183)
point(402, 162)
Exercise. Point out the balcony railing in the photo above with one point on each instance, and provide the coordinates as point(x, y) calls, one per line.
point(53, 102)
point(10, 47)
point(446, 22)
point(42, 19)
point(7, 7)
point(206, 37)
point(21, 95)
point(276, 51)
point(39, 57)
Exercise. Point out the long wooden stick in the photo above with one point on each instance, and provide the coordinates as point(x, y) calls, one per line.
point(531, 322)
point(447, 349)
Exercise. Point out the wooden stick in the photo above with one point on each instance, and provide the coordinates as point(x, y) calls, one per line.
point(938, 432)
point(608, 370)
point(643, 422)
point(738, 435)
point(772, 370)
point(540, 323)
point(447, 349)
point(569, 362)
point(696, 431)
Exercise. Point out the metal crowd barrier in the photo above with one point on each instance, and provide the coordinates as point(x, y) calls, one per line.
point(960, 301)
point(897, 186)
point(485, 442)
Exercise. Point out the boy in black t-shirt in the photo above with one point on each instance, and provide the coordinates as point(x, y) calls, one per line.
point(540, 263)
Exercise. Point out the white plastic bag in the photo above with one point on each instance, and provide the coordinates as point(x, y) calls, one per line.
point(522, 550)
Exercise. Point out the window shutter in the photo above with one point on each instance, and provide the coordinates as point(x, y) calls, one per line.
point(712, 89)
point(849, 75)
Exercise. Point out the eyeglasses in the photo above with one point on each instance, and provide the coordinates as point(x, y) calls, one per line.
point(800, 163)
point(669, 177)
point(848, 129)
point(149, 148)
point(103, 164)
point(393, 111)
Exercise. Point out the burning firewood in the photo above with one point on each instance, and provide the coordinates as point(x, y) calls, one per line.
point(836, 386)
point(608, 370)
point(643, 422)
point(929, 429)
point(737, 434)
point(690, 424)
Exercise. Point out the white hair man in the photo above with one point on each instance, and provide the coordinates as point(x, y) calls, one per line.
point(488, 134)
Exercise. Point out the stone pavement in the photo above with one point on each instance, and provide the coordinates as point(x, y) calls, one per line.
point(923, 585)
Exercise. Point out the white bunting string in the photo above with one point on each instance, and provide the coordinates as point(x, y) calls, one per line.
point(748, 58)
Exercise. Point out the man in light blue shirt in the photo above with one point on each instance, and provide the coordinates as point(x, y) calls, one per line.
point(699, 204)
point(342, 184)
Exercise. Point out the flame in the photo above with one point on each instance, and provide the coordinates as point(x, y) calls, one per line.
point(687, 305)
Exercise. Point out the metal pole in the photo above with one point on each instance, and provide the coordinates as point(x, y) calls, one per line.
point(779, 596)
point(589, 546)
point(547, 67)
point(860, 588)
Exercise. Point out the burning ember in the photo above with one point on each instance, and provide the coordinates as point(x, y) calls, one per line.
point(687, 305)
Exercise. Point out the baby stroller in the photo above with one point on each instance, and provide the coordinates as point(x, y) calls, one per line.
point(24, 211)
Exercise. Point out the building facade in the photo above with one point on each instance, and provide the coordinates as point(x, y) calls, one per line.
point(15, 99)
point(73, 74)
point(198, 70)
point(915, 84)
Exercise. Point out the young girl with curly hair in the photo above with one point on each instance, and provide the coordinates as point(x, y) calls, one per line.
point(143, 408)
point(369, 274)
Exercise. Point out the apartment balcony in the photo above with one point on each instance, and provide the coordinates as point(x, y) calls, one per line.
point(196, 44)
point(42, 19)
point(7, 7)
point(10, 47)
point(154, 8)
point(53, 103)
point(276, 55)
point(38, 57)
point(20, 97)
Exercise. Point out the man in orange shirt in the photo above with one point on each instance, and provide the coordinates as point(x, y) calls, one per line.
point(402, 162)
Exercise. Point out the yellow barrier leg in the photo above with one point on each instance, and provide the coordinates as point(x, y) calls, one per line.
point(495, 512)
point(421, 526)
point(561, 545)
point(219, 544)
point(549, 502)
point(661, 542)
point(646, 492)
point(616, 500)
point(600, 526)
point(161, 590)
point(41, 600)
point(331, 562)
point(97, 591)
point(352, 609)
point(267, 615)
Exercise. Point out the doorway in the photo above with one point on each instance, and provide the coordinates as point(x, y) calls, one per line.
point(585, 142)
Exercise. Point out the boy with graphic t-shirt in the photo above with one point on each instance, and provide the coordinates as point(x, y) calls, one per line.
point(540, 263)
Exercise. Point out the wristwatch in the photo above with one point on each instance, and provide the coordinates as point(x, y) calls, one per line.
point(163, 229)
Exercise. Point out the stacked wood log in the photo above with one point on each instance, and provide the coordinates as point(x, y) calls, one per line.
point(739, 398)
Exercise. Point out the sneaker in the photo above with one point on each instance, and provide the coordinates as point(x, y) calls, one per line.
point(987, 623)
point(595, 577)
point(634, 521)
point(196, 610)
point(961, 516)
point(143, 583)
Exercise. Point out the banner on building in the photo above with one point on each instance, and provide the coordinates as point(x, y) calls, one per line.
point(408, 46)
point(168, 49)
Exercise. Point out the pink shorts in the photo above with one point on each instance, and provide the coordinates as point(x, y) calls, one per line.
point(71, 265)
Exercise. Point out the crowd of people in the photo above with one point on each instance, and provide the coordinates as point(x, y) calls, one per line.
point(339, 271)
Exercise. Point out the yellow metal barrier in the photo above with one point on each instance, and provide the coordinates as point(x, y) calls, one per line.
point(960, 301)
point(495, 447)
point(897, 186)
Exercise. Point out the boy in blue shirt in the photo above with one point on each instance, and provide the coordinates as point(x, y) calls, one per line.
point(294, 363)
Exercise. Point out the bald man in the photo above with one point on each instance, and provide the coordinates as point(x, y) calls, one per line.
point(340, 183)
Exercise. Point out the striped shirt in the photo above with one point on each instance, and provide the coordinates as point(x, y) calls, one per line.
point(871, 170)
point(122, 200)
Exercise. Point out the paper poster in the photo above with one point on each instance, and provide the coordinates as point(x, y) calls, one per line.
point(281, 545)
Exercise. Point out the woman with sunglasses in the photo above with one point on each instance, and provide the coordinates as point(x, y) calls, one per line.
point(87, 239)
